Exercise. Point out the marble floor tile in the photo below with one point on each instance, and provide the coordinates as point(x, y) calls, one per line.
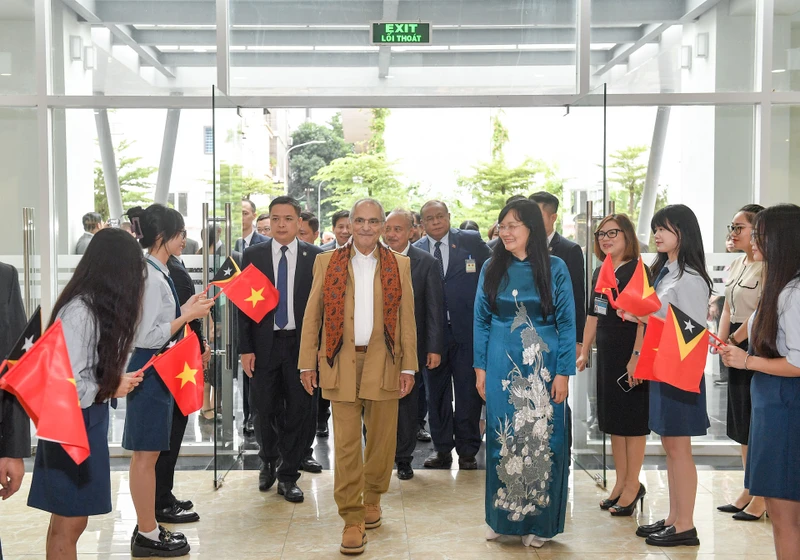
point(438, 515)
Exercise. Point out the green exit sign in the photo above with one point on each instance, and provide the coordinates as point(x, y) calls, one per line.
point(401, 33)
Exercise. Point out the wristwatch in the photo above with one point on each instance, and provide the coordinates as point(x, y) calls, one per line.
point(732, 340)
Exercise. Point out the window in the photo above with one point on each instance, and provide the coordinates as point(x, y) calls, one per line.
point(208, 140)
point(183, 202)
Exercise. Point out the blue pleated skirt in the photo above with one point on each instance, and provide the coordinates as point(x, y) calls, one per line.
point(148, 415)
point(60, 486)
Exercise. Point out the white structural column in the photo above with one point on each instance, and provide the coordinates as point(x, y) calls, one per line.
point(390, 11)
point(109, 162)
point(765, 10)
point(584, 46)
point(223, 47)
point(167, 155)
point(650, 191)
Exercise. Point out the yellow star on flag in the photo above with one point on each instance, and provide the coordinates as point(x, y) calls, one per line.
point(187, 375)
point(256, 296)
point(72, 380)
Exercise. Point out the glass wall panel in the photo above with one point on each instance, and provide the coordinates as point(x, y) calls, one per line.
point(306, 47)
point(17, 48)
point(784, 185)
point(127, 47)
point(786, 47)
point(659, 46)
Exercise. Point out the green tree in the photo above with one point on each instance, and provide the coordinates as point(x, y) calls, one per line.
point(134, 182)
point(363, 175)
point(234, 184)
point(307, 161)
point(628, 171)
point(377, 126)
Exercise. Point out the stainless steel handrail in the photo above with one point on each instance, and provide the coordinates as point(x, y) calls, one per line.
point(28, 242)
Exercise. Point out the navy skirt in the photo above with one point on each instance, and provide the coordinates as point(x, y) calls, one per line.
point(148, 414)
point(674, 412)
point(773, 456)
point(60, 486)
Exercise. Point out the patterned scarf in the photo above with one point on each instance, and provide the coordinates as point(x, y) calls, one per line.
point(334, 293)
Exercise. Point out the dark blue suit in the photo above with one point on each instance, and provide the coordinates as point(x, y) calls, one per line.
point(459, 429)
point(255, 240)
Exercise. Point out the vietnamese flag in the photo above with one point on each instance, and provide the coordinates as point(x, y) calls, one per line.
point(639, 297)
point(43, 383)
point(652, 338)
point(607, 281)
point(253, 293)
point(181, 370)
point(682, 351)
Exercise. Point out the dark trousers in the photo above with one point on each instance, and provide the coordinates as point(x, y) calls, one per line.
point(283, 408)
point(422, 407)
point(459, 429)
point(408, 424)
point(311, 424)
point(165, 466)
point(245, 396)
point(323, 411)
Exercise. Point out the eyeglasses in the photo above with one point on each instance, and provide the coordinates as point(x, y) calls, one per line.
point(509, 228)
point(611, 234)
point(736, 229)
point(372, 222)
point(183, 234)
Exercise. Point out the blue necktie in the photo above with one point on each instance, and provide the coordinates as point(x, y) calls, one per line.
point(437, 252)
point(664, 271)
point(282, 315)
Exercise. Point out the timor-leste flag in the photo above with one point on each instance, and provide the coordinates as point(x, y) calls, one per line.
point(607, 281)
point(43, 383)
point(226, 273)
point(181, 370)
point(639, 297)
point(647, 356)
point(253, 293)
point(28, 337)
point(682, 351)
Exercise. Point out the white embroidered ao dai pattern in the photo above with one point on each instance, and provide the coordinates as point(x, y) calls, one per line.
point(527, 434)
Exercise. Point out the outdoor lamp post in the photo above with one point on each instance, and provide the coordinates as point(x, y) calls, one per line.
point(286, 166)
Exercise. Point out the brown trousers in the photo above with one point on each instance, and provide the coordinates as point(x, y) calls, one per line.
point(361, 480)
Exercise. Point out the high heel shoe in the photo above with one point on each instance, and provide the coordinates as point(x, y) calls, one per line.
point(605, 504)
point(744, 516)
point(730, 508)
point(627, 511)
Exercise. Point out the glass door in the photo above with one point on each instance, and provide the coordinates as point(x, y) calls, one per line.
point(587, 192)
point(219, 238)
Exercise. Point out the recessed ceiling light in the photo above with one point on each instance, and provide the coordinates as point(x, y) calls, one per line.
point(5, 74)
point(779, 71)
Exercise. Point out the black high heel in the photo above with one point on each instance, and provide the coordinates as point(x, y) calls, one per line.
point(627, 511)
point(605, 504)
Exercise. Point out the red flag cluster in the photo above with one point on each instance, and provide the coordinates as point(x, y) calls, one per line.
point(638, 298)
point(252, 292)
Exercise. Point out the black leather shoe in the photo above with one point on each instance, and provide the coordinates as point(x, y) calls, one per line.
point(185, 505)
point(605, 504)
point(467, 463)
point(647, 530)
point(619, 510)
point(670, 537)
point(322, 431)
point(404, 471)
point(730, 508)
point(423, 435)
point(266, 476)
point(167, 545)
point(310, 465)
point(439, 461)
point(744, 516)
point(248, 428)
point(175, 514)
point(175, 534)
point(290, 492)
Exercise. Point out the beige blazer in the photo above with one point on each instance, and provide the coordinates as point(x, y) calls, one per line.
point(380, 378)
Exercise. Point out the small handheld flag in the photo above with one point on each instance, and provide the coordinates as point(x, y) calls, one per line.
point(253, 293)
point(181, 370)
point(639, 297)
point(607, 281)
point(682, 351)
point(226, 273)
point(28, 337)
point(652, 338)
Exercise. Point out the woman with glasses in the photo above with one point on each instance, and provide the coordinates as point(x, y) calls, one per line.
point(622, 400)
point(773, 455)
point(524, 353)
point(148, 418)
point(742, 294)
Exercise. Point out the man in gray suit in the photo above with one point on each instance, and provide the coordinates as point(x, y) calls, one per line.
point(92, 223)
point(15, 433)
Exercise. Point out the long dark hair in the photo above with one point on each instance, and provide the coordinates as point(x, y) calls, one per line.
point(538, 256)
point(156, 221)
point(680, 220)
point(777, 236)
point(109, 279)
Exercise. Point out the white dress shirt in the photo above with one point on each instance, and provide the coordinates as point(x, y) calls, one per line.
point(291, 267)
point(158, 308)
point(444, 248)
point(405, 251)
point(246, 240)
point(550, 238)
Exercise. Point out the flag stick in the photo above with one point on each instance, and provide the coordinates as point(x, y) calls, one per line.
point(715, 337)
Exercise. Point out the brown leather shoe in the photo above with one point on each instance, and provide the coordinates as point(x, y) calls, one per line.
point(354, 539)
point(372, 516)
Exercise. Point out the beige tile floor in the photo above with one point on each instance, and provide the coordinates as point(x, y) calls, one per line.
point(437, 515)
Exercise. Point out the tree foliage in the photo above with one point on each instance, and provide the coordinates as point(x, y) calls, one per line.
point(135, 185)
point(628, 171)
point(234, 185)
point(377, 126)
point(305, 162)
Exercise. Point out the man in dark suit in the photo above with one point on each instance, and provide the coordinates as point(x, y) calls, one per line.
point(341, 229)
point(568, 252)
point(168, 508)
point(15, 432)
point(428, 304)
point(461, 255)
point(249, 236)
point(270, 351)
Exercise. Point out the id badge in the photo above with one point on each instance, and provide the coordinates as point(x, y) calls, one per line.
point(471, 268)
point(600, 306)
